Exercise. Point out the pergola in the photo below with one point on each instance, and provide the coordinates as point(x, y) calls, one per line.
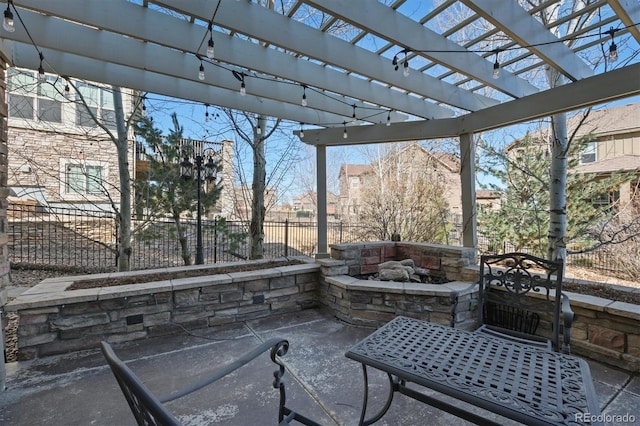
point(338, 65)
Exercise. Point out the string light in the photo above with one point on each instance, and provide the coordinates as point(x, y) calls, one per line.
point(7, 22)
point(304, 95)
point(41, 67)
point(243, 89)
point(210, 45)
point(240, 77)
point(206, 112)
point(389, 118)
point(301, 130)
point(496, 66)
point(344, 134)
point(201, 71)
point(258, 129)
point(613, 49)
point(67, 91)
point(405, 71)
point(353, 116)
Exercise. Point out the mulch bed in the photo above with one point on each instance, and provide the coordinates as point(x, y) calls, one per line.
point(161, 276)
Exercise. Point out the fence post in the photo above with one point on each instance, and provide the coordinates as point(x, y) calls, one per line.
point(286, 237)
point(215, 239)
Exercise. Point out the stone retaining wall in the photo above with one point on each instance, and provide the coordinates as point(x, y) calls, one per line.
point(53, 320)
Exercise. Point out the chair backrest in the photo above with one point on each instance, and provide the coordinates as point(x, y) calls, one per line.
point(146, 408)
point(518, 293)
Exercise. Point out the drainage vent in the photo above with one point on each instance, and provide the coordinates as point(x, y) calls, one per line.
point(134, 319)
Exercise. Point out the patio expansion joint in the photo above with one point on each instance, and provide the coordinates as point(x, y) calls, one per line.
point(619, 391)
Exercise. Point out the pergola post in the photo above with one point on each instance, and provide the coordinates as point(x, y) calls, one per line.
point(321, 178)
point(468, 183)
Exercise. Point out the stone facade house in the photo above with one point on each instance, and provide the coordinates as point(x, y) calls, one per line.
point(412, 160)
point(58, 156)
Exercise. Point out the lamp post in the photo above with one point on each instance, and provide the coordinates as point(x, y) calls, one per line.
point(204, 171)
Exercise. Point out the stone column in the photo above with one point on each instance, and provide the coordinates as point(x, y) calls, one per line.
point(4, 192)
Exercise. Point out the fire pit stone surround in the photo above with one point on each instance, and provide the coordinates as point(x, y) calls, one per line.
point(372, 302)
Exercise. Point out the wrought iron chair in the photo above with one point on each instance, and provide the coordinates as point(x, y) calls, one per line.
point(517, 294)
point(149, 410)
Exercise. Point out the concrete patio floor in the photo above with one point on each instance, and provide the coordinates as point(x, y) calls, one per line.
point(79, 389)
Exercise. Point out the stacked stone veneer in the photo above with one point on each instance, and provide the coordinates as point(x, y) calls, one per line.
point(53, 320)
point(605, 330)
point(370, 302)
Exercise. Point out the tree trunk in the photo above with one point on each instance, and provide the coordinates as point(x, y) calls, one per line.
point(258, 210)
point(124, 218)
point(556, 248)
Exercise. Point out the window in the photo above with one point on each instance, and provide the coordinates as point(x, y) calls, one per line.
point(30, 98)
point(83, 179)
point(99, 104)
point(355, 182)
point(588, 154)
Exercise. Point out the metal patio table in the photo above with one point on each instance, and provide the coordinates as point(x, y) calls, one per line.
point(525, 383)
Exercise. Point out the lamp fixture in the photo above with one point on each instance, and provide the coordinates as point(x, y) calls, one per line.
point(405, 70)
point(201, 71)
point(67, 92)
point(210, 44)
point(240, 77)
point(41, 68)
point(353, 116)
point(7, 22)
point(613, 49)
point(304, 96)
point(344, 134)
point(496, 66)
point(301, 130)
point(388, 118)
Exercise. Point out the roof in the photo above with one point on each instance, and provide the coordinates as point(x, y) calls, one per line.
point(617, 164)
point(354, 169)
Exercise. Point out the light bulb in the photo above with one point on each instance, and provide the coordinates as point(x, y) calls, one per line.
point(389, 119)
point(243, 89)
point(301, 133)
point(496, 70)
point(613, 52)
point(258, 130)
point(7, 22)
point(344, 134)
point(304, 99)
point(210, 49)
point(67, 93)
point(405, 71)
point(201, 72)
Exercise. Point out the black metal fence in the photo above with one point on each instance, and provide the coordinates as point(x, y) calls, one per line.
point(87, 240)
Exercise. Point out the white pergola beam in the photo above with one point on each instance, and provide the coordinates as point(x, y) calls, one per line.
point(67, 64)
point(163, 30)
point(264, 24)
point(403, 31)
point(512, 19)
point(112, 48)
point(616, 84)
point(629, 13)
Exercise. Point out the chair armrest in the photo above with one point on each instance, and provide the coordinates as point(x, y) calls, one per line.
point(567, 320)
point(227, 369)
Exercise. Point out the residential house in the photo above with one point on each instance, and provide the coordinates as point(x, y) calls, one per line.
point(243, 197)
point(58, 156)
point(307, 202)
point(613, 144)
point(411, 160)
